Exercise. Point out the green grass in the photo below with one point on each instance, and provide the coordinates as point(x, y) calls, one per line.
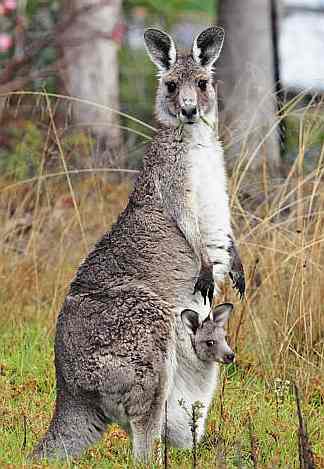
point(27, 385)
point(48, 226)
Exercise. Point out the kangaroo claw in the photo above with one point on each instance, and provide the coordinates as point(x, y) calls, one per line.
point(238, 282)
point(205, 284)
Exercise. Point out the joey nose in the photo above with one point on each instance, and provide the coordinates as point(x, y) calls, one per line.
point(189, 112)
point(229, 357)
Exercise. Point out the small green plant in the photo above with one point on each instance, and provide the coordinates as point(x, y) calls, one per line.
point(194, 415)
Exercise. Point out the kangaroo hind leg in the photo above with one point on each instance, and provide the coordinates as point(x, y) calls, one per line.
point(145, 430)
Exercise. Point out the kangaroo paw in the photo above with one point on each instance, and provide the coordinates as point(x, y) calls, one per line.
point(238, 281)
point(205, 284)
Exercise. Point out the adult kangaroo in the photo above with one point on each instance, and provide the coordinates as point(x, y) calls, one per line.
point(167, 251)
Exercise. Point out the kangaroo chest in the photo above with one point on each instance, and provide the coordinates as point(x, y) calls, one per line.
point(194, 381)
point(207, 179)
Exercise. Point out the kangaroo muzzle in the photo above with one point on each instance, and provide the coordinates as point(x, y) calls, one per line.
point(188, 105)
point(189, 112)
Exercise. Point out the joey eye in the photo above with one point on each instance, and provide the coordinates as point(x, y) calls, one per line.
point(202, 85)
point(210, 343)
point(171, 86)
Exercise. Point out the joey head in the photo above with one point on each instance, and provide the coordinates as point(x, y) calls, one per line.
point(209, 337)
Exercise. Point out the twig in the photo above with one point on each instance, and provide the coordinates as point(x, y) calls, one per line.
point(254, 445)
point(222, 393)
point(194, 438)
point(23, 447)
point(196, 415)
point(64, 173)
point(239, 324)
point(306, 457)
point(205, 121)
point(166, 435)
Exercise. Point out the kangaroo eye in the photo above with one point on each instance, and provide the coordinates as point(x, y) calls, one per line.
point(202, 85)
point(210, 343)
point(171, 85)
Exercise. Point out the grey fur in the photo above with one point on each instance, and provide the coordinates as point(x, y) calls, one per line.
point(145, 252)
point(160, 46)
point(112, 355)
point(208, 45)
point(209, 337)
point(121, 348)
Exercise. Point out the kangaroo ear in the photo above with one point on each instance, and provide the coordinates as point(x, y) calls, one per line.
point(208, 45)
point(221, 313)
point(190, 320)
point(161, 48)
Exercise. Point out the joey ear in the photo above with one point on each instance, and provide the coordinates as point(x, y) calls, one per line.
point(161, 48)
point(190, 320)
point(221, 313)
point(208, 45)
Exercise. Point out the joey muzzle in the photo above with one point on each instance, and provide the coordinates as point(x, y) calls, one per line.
point(229, 358)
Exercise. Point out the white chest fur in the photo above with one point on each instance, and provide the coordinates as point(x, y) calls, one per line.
point(193, 380)
point(209, 186)
point(209, 180)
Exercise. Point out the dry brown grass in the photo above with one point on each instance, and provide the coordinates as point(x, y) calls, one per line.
point(49, 224)
point(280, 228)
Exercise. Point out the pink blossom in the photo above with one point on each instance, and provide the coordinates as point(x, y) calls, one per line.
point(118, 32)
point(10, 5)
point(5, 42)
point(2, 10)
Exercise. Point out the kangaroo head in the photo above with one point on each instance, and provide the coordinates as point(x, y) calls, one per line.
point(185, 92)
point(209, 337)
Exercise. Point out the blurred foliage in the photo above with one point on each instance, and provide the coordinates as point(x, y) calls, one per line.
point(313, 125)
point(313, 138)
point(137, 89)
point(30, 22)
point(169, 10)
point(24, 159)
point(77, 147)
point(37, 19)
point(137, 84)
point(8, 18)
point(27, 151)
point(42, 18)
point(33, 6)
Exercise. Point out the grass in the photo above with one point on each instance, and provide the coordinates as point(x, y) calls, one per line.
point(48, 225)
point(28, 393)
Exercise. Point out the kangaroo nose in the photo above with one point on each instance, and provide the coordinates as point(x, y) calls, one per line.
point(229, 357)
point(189, 112)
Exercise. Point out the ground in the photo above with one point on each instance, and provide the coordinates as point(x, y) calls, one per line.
point(277, 331)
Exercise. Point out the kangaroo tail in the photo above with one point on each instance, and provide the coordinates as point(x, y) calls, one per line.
point(76, 424)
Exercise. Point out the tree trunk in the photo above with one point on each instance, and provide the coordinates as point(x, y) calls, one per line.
point(246, 83)
point(91, 71)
